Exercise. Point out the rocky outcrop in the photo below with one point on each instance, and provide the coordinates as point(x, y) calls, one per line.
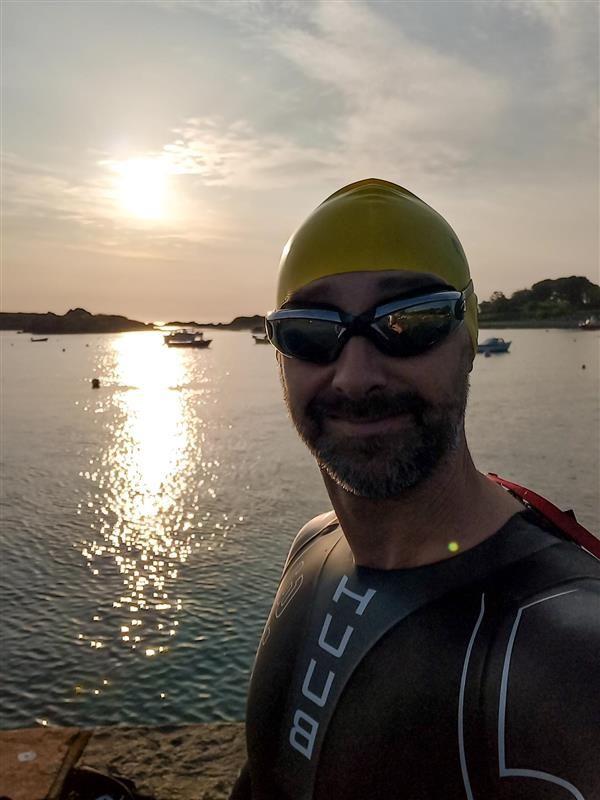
point(76, 320)
point(255, 322)
point(187, 762)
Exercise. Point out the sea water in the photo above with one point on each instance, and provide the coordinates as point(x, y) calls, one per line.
point(145, 523)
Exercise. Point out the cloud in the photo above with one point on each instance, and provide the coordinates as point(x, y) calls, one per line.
point(389, 104)
point(571, 47)
point(39, 191)
point(247, 14)
point(44, 205)
point(553, 13)
point(398, 103)
point(262, 108)
point(515, 90)
point(236, 155)
point(383, 97)
point(405, 103)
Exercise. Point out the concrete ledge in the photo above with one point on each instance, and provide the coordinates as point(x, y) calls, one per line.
point(187, 762)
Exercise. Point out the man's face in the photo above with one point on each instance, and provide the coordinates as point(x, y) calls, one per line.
point(377, 425)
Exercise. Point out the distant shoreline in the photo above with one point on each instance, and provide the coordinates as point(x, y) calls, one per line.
point(78, 320)
point(81, 321)
point(568, 324)
point(224, 326)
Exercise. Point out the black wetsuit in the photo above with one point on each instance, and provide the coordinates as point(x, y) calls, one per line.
point(474, 678)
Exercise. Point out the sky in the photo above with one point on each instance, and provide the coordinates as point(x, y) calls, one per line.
point(156, 156)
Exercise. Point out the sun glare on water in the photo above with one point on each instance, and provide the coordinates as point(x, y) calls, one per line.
point(141, 189)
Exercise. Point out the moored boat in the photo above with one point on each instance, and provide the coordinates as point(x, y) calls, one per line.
point(590, 324)
point(260, 339)
point(186, 338)
point(493, 345)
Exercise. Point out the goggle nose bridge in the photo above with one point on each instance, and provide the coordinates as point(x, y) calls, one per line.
point(361, 325)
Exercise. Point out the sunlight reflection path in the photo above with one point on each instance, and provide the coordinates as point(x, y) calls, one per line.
point(147, 483)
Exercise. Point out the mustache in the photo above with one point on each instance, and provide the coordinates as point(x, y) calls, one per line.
point(370, 407)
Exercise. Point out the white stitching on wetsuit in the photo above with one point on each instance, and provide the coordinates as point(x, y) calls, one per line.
point(523, 773)
point(461, 703)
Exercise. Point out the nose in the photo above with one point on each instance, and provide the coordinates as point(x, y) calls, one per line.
point(359, 369)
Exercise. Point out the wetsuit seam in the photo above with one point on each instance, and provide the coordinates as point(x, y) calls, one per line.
point(503, 770)
point(464, 766)
point(498, 628)
point(324, 531)
point(525, 600)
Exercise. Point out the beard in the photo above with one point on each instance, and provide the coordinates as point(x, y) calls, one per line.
point(383, 466)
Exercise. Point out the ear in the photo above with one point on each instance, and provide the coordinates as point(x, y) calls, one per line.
point(468, 351)
point(471, 358)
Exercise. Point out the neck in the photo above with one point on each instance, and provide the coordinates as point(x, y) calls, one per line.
point(455, 509)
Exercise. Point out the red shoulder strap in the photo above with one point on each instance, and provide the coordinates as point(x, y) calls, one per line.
point(563, 520)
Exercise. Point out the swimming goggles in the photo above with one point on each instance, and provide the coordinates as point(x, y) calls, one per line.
point(403, 327)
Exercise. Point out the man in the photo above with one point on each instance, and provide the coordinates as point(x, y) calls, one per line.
point(431, 637)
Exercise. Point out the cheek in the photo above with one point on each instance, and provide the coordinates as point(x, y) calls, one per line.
point(293, 381)
point(438, 374)
point(301, 381)
point(433, 385)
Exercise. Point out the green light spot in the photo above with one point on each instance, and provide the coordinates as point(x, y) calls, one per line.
point(454, 547)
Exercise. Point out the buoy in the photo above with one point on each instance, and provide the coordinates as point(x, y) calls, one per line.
point(64, 349)
point(487, 354)
point(95, 383)
point(583, 366)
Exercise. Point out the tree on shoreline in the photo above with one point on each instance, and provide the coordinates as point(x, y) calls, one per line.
point(557, 298)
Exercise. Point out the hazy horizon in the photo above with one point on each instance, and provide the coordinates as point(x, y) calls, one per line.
point(157, 155)
point(157, 321)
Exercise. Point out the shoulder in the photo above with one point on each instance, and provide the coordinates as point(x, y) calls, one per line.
point(549, 700)
point(541, 563)
point(567, 613)
point(559, 630)
point(551, 595)
point(317, 526)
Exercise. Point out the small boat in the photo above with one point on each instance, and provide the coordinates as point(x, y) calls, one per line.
point(260, 339)
point(590, 324)
point(38, 340)
point(186, 338)
point(493, 345)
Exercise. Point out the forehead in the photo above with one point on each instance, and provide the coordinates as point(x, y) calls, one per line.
point(363, 288)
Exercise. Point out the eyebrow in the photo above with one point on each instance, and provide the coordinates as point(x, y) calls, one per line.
point(391, 285)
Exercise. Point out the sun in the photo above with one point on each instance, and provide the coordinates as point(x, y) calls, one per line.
point(141, 187)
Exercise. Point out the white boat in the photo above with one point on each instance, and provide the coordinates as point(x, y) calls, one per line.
point(186, 338)
point(591, 324)
point(493, 345)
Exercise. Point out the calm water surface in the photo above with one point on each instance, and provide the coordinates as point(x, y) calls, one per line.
point(145, 523)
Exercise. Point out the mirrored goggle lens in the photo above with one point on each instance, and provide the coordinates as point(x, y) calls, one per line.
point(407, 331)
point(309, 339)
point(410, 331)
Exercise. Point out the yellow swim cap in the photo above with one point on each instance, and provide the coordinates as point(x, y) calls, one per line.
point(374, 225)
